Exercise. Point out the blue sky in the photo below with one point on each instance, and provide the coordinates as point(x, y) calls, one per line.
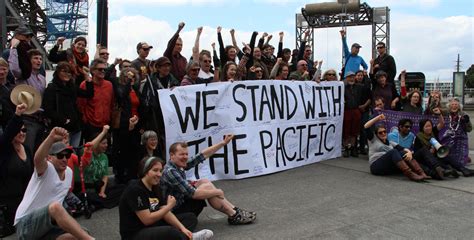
point(426, 35)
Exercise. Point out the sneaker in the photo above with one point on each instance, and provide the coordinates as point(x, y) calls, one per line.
point(204, 234)
point(245, 212)
point(354, 152)
point(241, 217)
point(347, 152)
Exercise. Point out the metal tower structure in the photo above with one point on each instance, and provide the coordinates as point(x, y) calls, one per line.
point(24, 13)
point(67, 18)
point(379, 18)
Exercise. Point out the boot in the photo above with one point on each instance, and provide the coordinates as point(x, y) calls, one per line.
point(449, 171)
point(466, 172)
point(417, 169)
point(438, 173)
point(347, 152)
point(408, 172)
point(354, 152)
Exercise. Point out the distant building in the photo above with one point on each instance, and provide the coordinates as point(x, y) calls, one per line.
point(444, 87)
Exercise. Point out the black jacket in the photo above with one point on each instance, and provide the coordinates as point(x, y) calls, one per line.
point(59, 103)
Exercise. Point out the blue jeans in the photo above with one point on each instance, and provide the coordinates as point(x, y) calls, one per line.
point(387, 163)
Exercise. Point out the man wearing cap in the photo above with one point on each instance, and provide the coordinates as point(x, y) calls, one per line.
point(353, 103)
point(352, 58)
point(173, 53)
point(384, 62)
point(41, 214)
point(141, 64)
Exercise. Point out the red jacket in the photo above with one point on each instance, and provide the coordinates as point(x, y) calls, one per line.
point(96, 111)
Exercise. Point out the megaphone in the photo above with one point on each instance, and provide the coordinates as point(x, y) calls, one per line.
point(441, 151)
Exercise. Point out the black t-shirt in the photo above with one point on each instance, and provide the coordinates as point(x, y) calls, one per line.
point(136, 197)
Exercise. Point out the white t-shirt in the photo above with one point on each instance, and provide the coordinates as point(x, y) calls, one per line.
point(43, 190)
point(204, 75)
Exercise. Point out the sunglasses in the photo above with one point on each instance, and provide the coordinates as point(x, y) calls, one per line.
point(258, 71)
point(207, 61)
point(146, 49)
point(62, 155)
point(407, 126)
point(100, 69)
point(23, 130)
point(104, 53)
point(380, 47)
point(382, 132)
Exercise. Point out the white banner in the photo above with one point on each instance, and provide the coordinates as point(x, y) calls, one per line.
point(278, 125)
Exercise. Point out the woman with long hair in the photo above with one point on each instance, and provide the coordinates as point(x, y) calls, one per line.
point(145, 214)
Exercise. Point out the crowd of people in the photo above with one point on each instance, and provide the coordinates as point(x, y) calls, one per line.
point(55, 136)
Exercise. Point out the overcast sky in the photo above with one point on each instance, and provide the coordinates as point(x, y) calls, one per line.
point(426, 35)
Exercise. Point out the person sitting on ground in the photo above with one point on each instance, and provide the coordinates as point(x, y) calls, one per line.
point(41, 214)
point(189, 195)
point(424, 152)
point(146, 215)
point(429, 132)
point(387, 158)
point(16, 163)
point(96, 174)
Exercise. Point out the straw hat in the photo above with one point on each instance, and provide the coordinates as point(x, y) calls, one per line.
point(28, 95)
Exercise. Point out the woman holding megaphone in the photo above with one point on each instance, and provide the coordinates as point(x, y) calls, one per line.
point(427, 138)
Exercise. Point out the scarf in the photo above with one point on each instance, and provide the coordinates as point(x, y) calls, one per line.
point(424, 138)
point(78, 60)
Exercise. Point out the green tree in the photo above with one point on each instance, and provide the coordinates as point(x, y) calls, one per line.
point(470, 77)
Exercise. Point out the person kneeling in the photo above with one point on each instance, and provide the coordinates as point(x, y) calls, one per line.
point(145, 215)
point(191, 196)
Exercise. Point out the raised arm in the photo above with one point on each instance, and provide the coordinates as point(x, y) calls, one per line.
point(345, 48)
point(212, 149)
point(280, 45)
point(95, 142)
point(55, 55)
point(40, 159)
point(234, 40)
point(222, 53)
point(275, 68)
point(303, 45)
point(172, 42)
point(403, 88)
point(196, 45)
point(374, 120)
point(261, 41)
